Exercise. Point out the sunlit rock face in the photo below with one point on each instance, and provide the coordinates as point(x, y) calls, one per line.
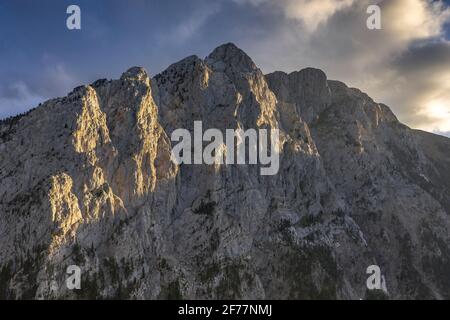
point(87, 180)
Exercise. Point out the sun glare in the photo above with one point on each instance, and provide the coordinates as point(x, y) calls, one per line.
point(439, 111)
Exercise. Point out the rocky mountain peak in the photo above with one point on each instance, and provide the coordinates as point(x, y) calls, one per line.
point(307, 90)
point(135, 73)
point(230, 56)
point(87, 180)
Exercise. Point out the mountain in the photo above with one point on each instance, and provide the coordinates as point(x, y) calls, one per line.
point(88, 180)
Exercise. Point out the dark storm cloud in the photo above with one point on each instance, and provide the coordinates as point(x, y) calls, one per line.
point(404, 65)
point(430, 56)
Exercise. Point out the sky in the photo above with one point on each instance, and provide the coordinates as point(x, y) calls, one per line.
point(405, 65)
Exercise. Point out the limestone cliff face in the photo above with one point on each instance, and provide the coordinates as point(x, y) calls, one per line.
point(87, 180)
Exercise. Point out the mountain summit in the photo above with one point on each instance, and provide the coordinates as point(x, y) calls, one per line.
point(87, 180)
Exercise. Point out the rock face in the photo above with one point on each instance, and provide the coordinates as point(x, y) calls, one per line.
point(87, 180)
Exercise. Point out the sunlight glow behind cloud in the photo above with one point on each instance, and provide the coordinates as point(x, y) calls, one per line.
point(405, 65)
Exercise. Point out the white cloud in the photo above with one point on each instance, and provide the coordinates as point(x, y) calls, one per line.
point(415, 19)
point(188, 27)
point(18, 99)
point(311, 13)
point(389, 64)
point(314, 13)
point(20, 96)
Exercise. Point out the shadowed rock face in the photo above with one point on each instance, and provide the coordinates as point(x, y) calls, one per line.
point(87, 180)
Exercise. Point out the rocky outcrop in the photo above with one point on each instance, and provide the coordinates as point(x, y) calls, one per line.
point(87, 180)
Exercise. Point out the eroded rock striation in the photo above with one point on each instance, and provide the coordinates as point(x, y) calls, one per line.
point(87, 180)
